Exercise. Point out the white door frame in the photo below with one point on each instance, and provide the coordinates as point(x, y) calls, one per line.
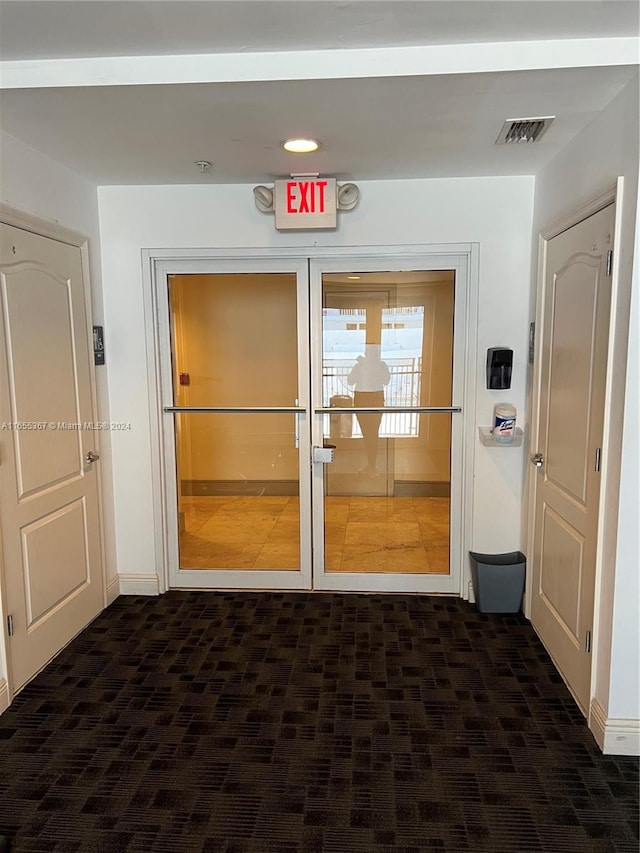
point(611, 439)
point(157, 264)
point(54, 231)
point(235, 578)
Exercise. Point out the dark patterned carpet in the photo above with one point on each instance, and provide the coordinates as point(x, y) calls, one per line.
point(307, 723)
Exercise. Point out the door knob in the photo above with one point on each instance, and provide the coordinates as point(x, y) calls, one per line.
point(91, 457)
point(537, 460)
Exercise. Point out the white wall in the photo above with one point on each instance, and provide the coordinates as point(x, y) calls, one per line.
point(37, 185)
point(606, 149)
point(495, 212)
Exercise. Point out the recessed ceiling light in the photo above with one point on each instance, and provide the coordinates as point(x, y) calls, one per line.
point(353, 277)
point(300, 146)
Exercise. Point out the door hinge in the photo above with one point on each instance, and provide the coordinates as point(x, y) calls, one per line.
point(609, 261)
point(587, 643)
point(532, 341)
point(10, 625)
point(598, 458)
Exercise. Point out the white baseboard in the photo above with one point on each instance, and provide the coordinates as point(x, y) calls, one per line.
point(614, 736)
point(139, 584)
point(113, 589)
point(4, 695)
point(598, 722)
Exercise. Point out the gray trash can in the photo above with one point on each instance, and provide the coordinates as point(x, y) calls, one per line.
point(498, 581)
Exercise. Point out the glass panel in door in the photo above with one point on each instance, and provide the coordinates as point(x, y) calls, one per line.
point(387, 343)
point(234, 341)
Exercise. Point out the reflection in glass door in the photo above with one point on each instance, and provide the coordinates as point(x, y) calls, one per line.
point(386, 360)
point(238, 369)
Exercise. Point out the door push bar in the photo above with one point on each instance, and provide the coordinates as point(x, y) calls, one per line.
point(234, 409)
point(427, 410)
point(322, 410)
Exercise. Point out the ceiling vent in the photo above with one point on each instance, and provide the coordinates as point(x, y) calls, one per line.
point(523, 129)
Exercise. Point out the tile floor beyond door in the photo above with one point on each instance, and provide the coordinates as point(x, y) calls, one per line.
point(362, 534)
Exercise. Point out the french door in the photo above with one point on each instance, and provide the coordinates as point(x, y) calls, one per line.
point(385, 356)
point(311, 412)
point(235, 375)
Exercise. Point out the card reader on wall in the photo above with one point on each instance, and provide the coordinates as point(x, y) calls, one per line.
point(499, 364)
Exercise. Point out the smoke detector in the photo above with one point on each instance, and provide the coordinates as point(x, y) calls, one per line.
point(523, 129)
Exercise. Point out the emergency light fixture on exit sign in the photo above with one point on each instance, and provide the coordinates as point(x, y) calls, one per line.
point(306, 201)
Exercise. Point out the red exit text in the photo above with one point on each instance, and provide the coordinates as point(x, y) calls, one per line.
point(305, 202)
point(306, 196)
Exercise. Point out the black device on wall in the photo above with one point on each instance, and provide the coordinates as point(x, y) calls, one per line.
point(499, 364)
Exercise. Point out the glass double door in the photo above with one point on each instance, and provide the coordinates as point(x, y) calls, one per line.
point(309, 421)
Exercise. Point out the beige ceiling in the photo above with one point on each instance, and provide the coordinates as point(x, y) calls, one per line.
point(380, 125)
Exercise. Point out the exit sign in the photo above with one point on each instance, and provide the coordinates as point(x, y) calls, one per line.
point(305, 203)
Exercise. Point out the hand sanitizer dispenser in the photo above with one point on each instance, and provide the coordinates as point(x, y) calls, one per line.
point(499, 364)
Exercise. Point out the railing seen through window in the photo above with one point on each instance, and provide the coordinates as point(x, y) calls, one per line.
point(403, 390)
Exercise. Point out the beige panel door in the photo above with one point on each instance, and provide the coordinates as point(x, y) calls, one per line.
point(49, 521)
point(574, 352)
